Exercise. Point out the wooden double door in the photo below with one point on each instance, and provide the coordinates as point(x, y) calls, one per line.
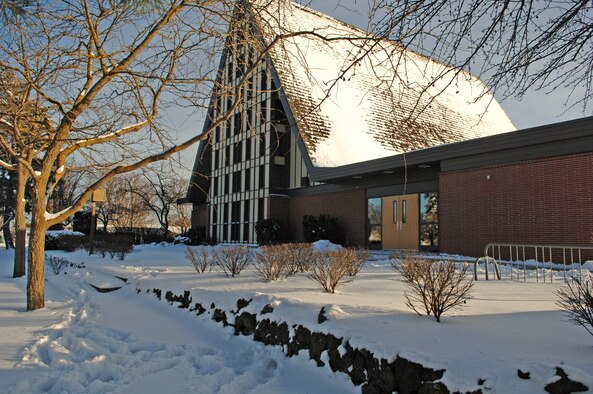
point(400, 219)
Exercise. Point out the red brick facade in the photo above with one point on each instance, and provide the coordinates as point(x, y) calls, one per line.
point(348, 207)
point(539, 201)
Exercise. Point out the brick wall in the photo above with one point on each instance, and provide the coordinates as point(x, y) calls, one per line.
point(539, 201)
point(348, 207)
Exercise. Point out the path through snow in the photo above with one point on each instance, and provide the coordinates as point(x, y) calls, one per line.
point(121, 342)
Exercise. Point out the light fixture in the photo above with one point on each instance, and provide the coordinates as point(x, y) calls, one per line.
point(356, 177)
point(388, 172)
point(424, 166)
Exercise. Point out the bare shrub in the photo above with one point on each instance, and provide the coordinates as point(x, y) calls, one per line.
point(101, 247)
point(201, 258)
point(273, 262)
point(576, 300)
point(435, 286)
point(356, 259)
point(122, 249)
point(328, 269)
point(57, 264)
point(302, 255)
point(232, 260)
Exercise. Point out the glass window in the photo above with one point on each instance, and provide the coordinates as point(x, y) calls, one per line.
point(429, 208)
point(375, 235)
point(262, 177)
point(374, 227)
point(404, 211)
point(260, 209)
point(429, 218)
point(374, 210)
point(248, 149)
point(395, 212)
point(429, 234)
point(247, 179)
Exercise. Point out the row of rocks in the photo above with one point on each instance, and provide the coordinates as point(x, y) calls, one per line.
point(376, 375)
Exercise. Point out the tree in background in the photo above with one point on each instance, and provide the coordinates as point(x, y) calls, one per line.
point(163, 189)
point(181, 219)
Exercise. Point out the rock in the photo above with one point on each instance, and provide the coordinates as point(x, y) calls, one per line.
point(410, 376)
point(433, 388)
point(321, 317)
point(198, 308)
point(564, 385)
point(271, 333)
point(523, 375)
point(300, 341)
point(317, 346)
point(242, 303)
point(220, 316)
point(268, 308)
point(245, 324)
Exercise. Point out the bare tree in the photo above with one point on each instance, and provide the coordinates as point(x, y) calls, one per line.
point(123, 209)
point(162, 188)
point(181, 218)
point(513, 46)
point(95, 73)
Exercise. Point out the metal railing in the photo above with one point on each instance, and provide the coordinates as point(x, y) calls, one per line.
point(522, 258)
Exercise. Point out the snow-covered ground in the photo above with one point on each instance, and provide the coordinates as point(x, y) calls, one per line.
point(86, 341)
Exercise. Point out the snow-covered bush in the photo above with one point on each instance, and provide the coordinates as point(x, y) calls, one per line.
point(576, 300)
point(201, 257)
point(330, 268)
point(273, 262)
point(233, 259)
point(435, 286)
point(57, 264)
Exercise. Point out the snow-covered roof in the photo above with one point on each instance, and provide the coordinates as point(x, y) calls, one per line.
point(356, 98)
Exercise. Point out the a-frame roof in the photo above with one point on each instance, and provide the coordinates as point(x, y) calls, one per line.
point(354, 97)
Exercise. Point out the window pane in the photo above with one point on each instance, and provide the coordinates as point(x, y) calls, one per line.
point(374, 211)
point(375, 235)
point(404, 211)
point(429, 208)
point(395, 212)
point(429, 235)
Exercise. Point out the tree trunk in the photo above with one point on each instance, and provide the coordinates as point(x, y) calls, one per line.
point(20, 222)
point(7, 218)
point(8, 185)
point(35, 279)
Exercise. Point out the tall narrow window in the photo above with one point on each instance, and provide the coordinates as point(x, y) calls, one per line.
point(260, 209)
point(262, 177)
point(247, 179)
point(374, 226)
point(248, 149)
point(404, 211)
point(429, 221)
point(395, 212)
